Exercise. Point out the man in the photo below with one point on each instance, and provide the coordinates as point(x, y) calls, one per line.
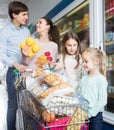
point(10, 37)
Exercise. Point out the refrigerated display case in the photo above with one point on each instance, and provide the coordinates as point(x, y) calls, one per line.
point(76, 20)
point(109, 39)
point(97, 32)
point(109, 47)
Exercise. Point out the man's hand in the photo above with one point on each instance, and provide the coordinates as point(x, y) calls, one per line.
point(20, 67)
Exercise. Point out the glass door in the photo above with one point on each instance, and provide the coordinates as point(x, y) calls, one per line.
point(109, 42)
point(78, 21)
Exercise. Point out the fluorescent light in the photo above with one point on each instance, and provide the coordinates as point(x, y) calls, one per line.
point(77, 8)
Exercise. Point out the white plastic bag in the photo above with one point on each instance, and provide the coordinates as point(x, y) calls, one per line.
point(3, 97)
point(3, 107)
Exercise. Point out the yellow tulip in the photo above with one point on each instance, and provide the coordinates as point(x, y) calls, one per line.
point(31, 54)
point(43, 57)
point(35, 48)
point(30, 41)
point(31, 46)
point(22, 44)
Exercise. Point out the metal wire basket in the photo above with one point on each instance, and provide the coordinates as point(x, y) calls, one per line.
point(57, 117)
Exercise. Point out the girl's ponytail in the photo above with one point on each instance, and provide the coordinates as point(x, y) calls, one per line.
point(102, 66)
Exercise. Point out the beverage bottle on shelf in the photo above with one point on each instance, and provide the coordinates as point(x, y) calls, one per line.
point(113, 60)
point(110, 61)
point(107, 8)
point(86, 19)
point(81, 23)
point(107, 62)
point(111, 7)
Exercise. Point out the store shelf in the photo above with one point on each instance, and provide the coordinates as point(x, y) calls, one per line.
point(77, 20)
point(109, 17)
point(111, 95)
point(82, 29)
point(108, 117)
point(110, 68)
point(109, 43)
point(62, 33)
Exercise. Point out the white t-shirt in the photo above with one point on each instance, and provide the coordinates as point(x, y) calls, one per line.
point(72, 72)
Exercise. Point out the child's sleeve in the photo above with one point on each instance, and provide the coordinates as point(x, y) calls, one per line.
point(102, 98)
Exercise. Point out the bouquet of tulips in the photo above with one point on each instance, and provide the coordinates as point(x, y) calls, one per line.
point(44, 59)
point(29, 47)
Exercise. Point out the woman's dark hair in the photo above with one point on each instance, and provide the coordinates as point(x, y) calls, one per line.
point(16, 7)
point(74, 36)
point(53, 32)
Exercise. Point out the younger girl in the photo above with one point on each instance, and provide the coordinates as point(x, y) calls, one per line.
point(70, 59)
point(93, 86)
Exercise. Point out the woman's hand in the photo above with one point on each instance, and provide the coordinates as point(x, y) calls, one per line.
point(26, 50)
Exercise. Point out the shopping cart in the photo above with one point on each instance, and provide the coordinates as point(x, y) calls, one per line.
point(58, 117)
point(68, 116)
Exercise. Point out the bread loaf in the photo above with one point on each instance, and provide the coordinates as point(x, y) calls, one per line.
point(53, 79)
point(52, 89)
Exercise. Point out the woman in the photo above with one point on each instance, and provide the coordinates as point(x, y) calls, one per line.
point(48, 40)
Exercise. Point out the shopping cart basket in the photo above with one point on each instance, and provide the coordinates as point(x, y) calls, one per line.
point(58, 117)
point(68, 116)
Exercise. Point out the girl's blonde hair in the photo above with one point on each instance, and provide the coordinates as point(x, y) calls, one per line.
point(100, 54)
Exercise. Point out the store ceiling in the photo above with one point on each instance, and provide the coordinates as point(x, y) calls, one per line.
point(4, 5)
point(4, 11)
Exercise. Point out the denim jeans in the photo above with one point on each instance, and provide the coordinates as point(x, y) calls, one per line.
point(96, 122)
point(12, 100)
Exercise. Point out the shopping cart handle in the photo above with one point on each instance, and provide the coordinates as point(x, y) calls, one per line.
point(15, 71)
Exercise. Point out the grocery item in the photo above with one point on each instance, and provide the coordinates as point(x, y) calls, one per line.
point(52, 89)
point(86, 19)
point(53, 79)
point(38, 72)
point(79, 116)
point(48, 117)
point(61, 101)
point(81, 24)
point(76, 25)
point(60, 123)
